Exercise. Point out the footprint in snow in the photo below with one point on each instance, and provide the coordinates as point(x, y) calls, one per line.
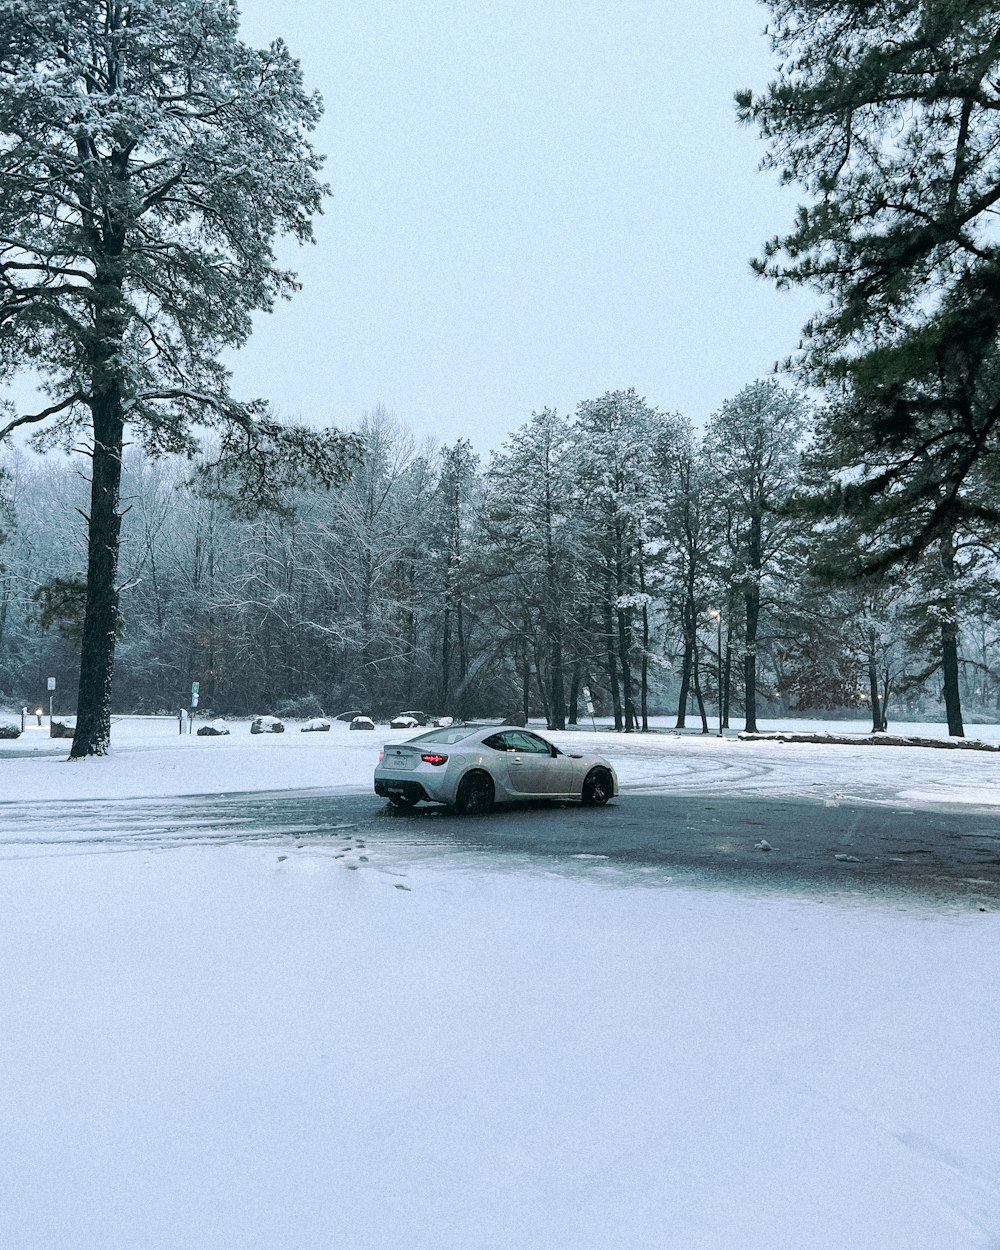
point(401, 887)
point(281, 857)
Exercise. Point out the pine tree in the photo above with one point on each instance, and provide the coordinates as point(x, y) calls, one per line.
point(752, 451)
point(457, 496)
point(682, 550)
point(530, 525)
point(888, 116)
point(616, 438)
point(148, 160)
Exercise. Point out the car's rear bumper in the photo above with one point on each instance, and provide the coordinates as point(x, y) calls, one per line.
point(386, 788)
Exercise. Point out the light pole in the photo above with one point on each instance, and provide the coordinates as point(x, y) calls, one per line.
point(716, 615)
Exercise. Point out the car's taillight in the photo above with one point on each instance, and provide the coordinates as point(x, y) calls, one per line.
point(434, 759)
point(381, 756)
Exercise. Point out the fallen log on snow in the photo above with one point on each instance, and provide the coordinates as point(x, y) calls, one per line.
point(873, 740)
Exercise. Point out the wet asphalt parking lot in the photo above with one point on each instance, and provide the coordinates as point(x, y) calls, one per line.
point(949, 854)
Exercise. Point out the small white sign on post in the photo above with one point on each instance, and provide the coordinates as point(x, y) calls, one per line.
point(590, 706)
point(51, 683)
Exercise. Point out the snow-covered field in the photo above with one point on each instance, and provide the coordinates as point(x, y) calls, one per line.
point(151, 759)
point(324, 1045)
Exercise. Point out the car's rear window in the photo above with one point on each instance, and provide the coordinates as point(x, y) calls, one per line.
point(453, 733)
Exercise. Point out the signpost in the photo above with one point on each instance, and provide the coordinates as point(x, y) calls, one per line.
point(590, 706)
point(51, 685)
point(195, 688)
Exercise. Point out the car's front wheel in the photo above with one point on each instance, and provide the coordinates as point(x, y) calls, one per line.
point(476, 793)
point(597, 788)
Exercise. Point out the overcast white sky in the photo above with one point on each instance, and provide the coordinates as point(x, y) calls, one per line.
point(535, 201)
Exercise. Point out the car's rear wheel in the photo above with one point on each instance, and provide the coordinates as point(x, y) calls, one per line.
point(476, 793)
point(403, 801)
point(597, 788)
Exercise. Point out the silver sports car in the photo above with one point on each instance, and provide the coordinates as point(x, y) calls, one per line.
point(470, 767)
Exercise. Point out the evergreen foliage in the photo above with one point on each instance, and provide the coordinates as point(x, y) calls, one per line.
point(359, 597)
point(148, 159)
point(888, 116)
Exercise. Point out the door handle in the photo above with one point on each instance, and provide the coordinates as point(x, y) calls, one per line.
point(517, 760)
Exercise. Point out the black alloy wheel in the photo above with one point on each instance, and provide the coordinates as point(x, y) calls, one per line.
point(597, 788)
point(475, 794)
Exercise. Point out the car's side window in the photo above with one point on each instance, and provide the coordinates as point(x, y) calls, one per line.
point(498, 742)
point(539, 745)
point(528, 742)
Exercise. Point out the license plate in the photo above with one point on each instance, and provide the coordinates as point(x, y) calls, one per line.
point(399, 761)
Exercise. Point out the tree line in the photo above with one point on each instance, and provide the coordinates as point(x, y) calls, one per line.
point(618, 549)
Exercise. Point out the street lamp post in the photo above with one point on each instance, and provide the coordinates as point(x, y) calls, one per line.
point(716, 615)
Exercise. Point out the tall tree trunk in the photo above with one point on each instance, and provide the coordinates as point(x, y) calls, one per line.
point(949, 669)
point(699, 696)
point(557, 701)
point(446, 660)
point(609, 640)
point(949, 647)
point(731, 603)
point(750, 659)
point(644, 688)
point(463, 654)
point(543, 694)
point(624, 632)
point(574, 693)
point(878, 725)
point(100, 621)
point(682, 699)
point(525, 677)
point(752, 602)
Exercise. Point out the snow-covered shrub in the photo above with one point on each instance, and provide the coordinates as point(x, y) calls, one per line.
point(404, 722)
point(267, 725)
point(317, 725)
point(62, 727)
point(214, 729)
point(444, 721)
point(10, 731)
point(421, 718)
point(362, 722)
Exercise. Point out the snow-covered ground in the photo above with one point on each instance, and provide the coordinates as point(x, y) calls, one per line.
point(324, 1045)
point(151, 759)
